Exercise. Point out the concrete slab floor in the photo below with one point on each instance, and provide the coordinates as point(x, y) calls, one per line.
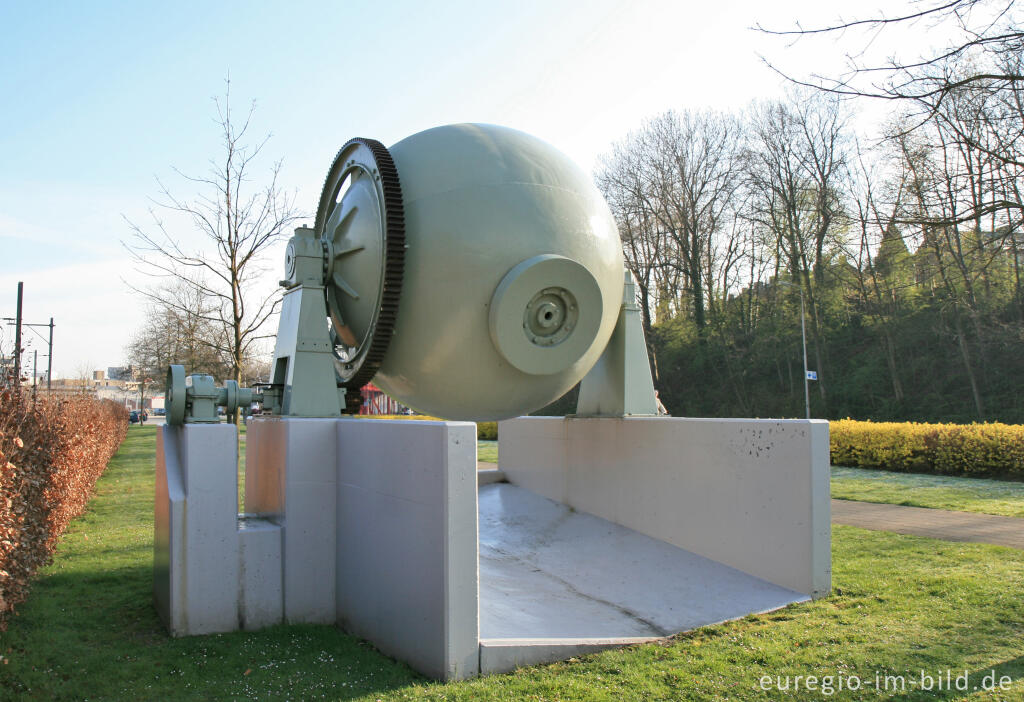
point(549, 572)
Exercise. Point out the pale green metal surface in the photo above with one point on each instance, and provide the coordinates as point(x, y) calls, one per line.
point(479, 201)
point(175, 394)
point(545, 314)
point(201, 404)
point(303, 356)
point(354, 256)
point(195, 399)
point(620, 383)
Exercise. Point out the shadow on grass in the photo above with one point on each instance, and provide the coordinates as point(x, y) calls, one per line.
point(97, 635)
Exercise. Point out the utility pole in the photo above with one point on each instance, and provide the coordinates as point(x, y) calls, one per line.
point(35, 362)
point(49, 359)
point(803, 343)
point(17, 339)
point(19, 326)
point(803, 339)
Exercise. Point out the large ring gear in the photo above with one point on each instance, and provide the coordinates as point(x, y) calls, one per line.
point(360, 222)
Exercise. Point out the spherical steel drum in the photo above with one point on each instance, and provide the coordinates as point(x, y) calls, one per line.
point(513, 274)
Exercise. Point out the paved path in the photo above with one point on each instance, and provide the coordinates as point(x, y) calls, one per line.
point(936, 523)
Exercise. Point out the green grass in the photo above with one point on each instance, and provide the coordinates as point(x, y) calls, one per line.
point(936, 491)
point(900, 604)
point(487, 451)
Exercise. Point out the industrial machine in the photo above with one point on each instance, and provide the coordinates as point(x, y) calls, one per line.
point(473, 272)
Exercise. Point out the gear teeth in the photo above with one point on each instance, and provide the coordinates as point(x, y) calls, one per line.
point(393, 273)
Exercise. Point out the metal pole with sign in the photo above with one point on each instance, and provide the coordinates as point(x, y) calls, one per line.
point(803, 339)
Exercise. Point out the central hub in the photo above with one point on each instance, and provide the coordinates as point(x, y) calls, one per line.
point(550, 316)
point(545, 314)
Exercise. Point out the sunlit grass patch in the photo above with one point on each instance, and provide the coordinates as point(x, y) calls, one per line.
point(900, 604)
point(940, 492)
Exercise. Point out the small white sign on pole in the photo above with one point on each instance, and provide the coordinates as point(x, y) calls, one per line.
point(812, 375)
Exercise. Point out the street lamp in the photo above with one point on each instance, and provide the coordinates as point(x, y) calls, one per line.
point(803, 341)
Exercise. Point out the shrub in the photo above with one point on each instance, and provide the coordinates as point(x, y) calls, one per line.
point(51, 453)
point(991, 450)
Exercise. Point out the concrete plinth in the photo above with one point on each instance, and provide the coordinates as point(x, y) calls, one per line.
point(195, 537)
point(407, 541)
point(291, 480)
point(612, 532)
point(262, 586)
point(750, 494)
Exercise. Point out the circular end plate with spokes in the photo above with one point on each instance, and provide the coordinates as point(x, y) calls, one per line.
point(361, 225)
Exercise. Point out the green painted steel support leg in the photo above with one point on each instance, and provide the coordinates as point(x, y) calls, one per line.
point(620, 384)
point(303, 361)
point(303, 357)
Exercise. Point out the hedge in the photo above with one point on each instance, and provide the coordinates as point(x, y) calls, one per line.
point(980, 450)
point(51, 453)
point(484, 430)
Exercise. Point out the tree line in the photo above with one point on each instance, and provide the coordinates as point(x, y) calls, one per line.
point(905, 247)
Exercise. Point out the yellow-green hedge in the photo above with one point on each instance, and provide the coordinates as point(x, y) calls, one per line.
point(484, 430)
point(948, 449)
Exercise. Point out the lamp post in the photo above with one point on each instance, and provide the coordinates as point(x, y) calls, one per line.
point(803, 342)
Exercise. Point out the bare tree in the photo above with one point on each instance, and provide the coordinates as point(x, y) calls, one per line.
point(949, 254)
point(239, 222)
point(621, 179)
point(796, 170)
point(692, 172)
point(178, 329)
point(881, 273)
point(980, 28)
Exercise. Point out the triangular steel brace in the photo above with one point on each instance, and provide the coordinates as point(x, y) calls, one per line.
point(620, 384)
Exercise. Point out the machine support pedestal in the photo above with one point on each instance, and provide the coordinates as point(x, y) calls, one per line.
point(620, 384)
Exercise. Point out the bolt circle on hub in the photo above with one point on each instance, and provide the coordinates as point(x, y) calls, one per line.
point(550, 316)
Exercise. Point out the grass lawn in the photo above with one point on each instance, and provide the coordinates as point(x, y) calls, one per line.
point(936, 491)
point(487, 451)
point(901, 604)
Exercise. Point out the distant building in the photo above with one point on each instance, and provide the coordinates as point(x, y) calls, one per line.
point(121, 373)
point(125, 392)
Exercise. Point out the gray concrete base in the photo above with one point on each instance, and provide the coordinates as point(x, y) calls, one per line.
point(555, 583)
point(505, 655)
point(752, 494)
point(261, 596)
point(612, 532)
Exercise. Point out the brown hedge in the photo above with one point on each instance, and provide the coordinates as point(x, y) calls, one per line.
point(51, 453)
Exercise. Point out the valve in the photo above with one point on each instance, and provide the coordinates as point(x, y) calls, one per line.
point(194, 399)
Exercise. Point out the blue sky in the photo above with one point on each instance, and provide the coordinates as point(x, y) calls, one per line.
point(100, 98)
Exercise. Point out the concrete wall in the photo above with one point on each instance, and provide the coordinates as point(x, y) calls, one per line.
point(407, 541)
point(302, 500)
point(196, 562)
point(752, 494)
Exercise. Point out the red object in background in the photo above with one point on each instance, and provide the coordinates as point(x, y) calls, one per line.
point(375, 402)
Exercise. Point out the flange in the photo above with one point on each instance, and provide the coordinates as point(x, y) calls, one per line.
point(545, 314)
point(360, 222)
point(175, 395)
